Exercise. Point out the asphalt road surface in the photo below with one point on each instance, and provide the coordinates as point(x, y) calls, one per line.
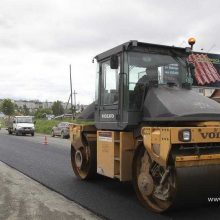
point(50, 165)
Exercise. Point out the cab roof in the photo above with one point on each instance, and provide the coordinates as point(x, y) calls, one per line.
point(136, 45)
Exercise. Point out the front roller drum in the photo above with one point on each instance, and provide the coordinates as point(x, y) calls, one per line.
point(159, 189)
point(154, 186)
point(84, 161)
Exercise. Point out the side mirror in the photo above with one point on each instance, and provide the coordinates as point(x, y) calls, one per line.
point(114, 62)
point(14, 121)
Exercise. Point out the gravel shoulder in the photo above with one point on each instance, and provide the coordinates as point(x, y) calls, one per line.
point(23, 198)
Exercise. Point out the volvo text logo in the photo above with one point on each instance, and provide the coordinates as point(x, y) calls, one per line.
point(210, 135)
point(108, 115)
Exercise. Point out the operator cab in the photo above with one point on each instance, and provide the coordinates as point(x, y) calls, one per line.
point(124, 76)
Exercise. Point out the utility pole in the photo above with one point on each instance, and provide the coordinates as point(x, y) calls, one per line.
point(68, 103)
point(71, 92)
point(74, 93)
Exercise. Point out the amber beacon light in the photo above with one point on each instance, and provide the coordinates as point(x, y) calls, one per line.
point(191, 41)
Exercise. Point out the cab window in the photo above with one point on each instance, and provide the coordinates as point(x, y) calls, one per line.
point(110, 84)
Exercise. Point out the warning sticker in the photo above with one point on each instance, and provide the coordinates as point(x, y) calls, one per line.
point(105, 136)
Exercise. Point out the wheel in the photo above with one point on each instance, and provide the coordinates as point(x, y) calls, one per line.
point(155, 187)
point(9, 131)
point(84, 161)
point(32, 134)
point(52, 134)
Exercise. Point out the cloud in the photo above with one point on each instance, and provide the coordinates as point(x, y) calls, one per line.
point(39, 39)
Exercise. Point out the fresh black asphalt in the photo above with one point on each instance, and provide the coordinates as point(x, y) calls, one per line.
point(50, 165)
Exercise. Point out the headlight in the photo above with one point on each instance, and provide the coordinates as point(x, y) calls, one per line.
point(185, 135)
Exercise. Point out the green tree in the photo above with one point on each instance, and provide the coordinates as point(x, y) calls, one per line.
point(57, 108)
point(41, 112)
point(25, 110)
point(8, 107)
point(16, 107)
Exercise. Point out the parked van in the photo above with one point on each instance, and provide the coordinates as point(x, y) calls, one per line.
point(21, 125)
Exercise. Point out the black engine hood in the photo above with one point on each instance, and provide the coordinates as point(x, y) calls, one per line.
point(172, 103)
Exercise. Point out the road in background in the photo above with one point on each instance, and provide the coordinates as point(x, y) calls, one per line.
point(50, 165)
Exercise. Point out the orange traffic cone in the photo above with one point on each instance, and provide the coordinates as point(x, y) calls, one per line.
point(45, 140)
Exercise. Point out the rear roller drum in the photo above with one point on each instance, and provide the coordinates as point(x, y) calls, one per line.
point(84, 161)
point(154, 186)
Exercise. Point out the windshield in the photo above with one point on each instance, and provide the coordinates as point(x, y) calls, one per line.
point(161, 69)
point(24, 120)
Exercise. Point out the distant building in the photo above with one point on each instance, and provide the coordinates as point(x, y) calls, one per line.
point(33, 105)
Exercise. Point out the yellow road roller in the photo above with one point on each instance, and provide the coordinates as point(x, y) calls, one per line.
point(150, 125)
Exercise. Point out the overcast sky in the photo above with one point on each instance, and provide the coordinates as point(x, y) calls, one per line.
point(40, 38)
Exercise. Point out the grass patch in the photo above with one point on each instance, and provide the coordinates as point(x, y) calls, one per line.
point(45, 126)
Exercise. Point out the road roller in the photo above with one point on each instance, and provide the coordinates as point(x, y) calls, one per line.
point(151, 127)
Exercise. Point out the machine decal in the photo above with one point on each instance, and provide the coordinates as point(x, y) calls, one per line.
point(210, 135)
point(105, 136)
point(108, 116)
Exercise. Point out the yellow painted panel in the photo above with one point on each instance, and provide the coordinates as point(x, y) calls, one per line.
point(199, 134)
point(197, 160)
point(127, 147)
point(105, 153)
point(165, 145)
point(198, 157)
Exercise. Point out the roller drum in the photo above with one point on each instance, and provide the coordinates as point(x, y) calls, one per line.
point(194, 185)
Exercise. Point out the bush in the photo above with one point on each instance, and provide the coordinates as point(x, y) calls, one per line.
point(41, 112)
point(45, 126)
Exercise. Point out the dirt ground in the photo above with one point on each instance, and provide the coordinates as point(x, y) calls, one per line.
point(23, 198)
